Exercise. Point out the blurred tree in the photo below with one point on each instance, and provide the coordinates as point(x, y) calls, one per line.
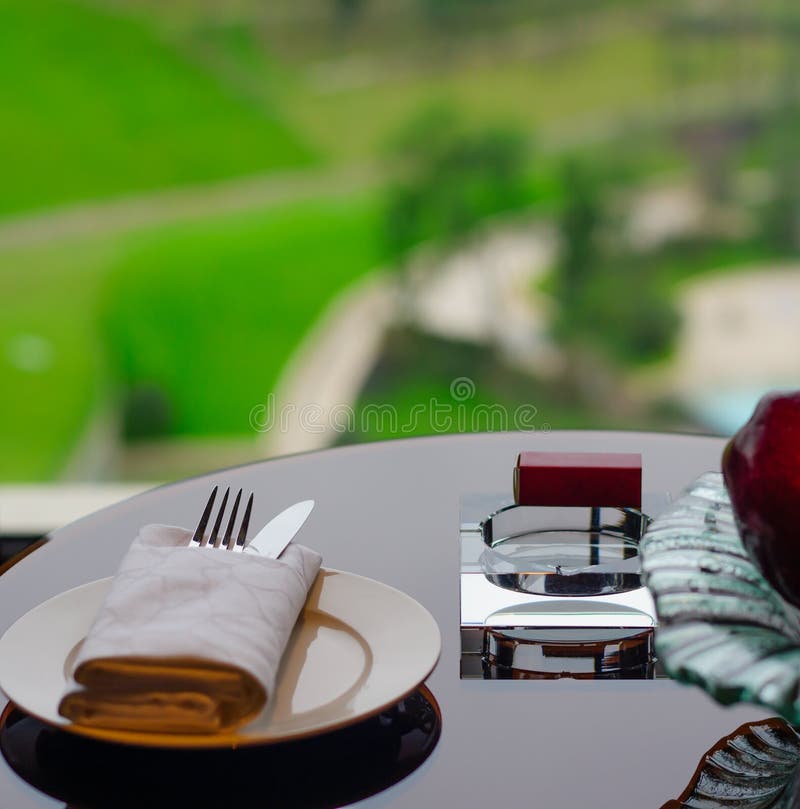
point(347, 12)
point(608, 302)
point(624, 311)
point(578, 225)
point(781, 219)
point(781, 216)
point(702, 39)
point(451, 178)
point(447, 14)
point(475, 15)
point(146, 412)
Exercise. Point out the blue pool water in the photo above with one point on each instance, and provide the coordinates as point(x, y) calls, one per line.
point(725, 411)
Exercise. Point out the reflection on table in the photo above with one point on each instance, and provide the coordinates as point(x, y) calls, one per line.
point(319, 773)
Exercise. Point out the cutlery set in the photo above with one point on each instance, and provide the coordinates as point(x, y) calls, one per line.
point(271, 540)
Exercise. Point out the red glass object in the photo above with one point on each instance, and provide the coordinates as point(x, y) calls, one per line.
point(761, 467)
point(578, 479)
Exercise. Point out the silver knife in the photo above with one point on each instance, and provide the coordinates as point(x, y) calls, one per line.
point(271, 540)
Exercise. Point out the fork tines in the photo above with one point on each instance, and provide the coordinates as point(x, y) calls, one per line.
point(227, 541)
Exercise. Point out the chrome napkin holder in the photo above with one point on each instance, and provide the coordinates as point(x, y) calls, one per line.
point(551, 592)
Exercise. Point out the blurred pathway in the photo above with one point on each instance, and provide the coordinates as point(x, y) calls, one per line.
point(111, 217)
point(314, 398)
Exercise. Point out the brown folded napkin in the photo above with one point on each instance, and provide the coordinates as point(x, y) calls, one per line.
point(188, 640)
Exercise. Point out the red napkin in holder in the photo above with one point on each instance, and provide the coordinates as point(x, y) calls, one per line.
point(578, 479)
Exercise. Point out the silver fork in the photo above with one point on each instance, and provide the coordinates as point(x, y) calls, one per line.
point(214, 540)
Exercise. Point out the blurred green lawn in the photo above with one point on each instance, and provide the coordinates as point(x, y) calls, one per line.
point(49, 295)
point(208, 311)
point(95, 104)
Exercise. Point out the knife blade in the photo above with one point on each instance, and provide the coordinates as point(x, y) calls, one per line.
point(271, 540)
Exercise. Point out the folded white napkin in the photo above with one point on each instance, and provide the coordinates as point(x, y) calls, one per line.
point(188, 640)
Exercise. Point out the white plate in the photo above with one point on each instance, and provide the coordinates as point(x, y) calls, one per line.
point(359, 646)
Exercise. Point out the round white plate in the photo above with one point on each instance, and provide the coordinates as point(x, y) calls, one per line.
point(359, 646)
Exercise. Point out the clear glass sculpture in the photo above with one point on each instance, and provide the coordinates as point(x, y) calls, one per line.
point(720, 624)
point(756, 767)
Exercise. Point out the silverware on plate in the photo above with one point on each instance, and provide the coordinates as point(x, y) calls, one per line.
point(214, 540)
point(273, 538)
point(270, 541)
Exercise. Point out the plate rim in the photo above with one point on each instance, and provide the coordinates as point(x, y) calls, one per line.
point(216, 740)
